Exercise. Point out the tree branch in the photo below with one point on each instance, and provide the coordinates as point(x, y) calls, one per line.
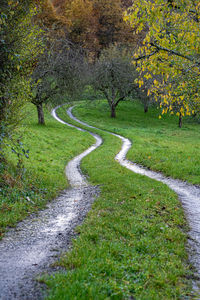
point(120, 99)
point(145, 56)
point(106, 95)
point(159, 48)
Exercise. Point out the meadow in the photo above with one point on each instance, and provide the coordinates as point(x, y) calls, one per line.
point(132, 244)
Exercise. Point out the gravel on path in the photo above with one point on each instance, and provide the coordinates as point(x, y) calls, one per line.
point(188, 194)
point(36, 243)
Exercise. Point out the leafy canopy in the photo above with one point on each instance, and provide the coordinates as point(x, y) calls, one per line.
point(95, 24)
point(170, 52)
point(20, 43)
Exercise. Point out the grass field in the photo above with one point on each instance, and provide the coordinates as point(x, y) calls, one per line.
point(132, 243)
point(51, 147)
point(157, 144)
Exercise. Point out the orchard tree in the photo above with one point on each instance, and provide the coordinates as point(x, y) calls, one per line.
point(56, 68)
point(61, 71)
point(170, 53)
point(113, 76)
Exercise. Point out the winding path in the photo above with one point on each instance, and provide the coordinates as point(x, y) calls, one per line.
point(35, 243)
point(29, 249)
point(189, 196)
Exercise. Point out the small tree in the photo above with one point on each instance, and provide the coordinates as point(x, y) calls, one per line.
point(113, 76)
point(60, 71)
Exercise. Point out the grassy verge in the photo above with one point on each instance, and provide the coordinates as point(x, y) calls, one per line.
point(51, 147)
point(132, 243)
point(157, 144)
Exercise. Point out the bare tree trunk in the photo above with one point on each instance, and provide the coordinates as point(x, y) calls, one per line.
point(180, 121)
point(146, 107)
point(40, 114)
point(113, 113)
point(113, 105)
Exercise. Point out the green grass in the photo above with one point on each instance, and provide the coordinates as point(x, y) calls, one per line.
point(132, 243)
point(51, 147)
point(157, 144)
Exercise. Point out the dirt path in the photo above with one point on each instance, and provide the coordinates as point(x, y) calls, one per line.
point(37, 242)
point(189, 196)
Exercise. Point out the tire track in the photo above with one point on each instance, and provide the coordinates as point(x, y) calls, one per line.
point(30, 249)
point(73, 173)
point(188, 194)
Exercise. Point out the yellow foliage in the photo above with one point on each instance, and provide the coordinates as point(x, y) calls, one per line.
point(169, 52)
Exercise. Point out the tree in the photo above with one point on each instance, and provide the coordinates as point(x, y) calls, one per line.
point(170, 52)
point(113, 76)
point(49, 20)
point(60, 6)
point(111, 27)
point(61, 70)
point(19, 46)
point(81, 23)
point(144, 98)
point(58, 65)
point(95, 24)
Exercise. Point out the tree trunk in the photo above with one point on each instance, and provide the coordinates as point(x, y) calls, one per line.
point(113, 113)
point(40, 114)
point(2, 108)
point(180, 121)
point(146, 107)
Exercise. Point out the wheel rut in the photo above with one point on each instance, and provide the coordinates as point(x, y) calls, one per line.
point(188, 194)
point(35, 244)
point(30, 249)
